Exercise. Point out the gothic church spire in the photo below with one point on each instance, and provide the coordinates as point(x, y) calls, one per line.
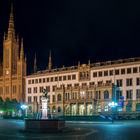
point(50, 62)
point(11, 30)
point(35, 65)
point(21, 50)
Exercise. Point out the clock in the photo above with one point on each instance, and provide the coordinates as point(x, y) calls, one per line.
point(7, 71)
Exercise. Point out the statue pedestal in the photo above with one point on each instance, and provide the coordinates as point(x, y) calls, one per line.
point(44, 124)
point(34, 125)
point(44, 108)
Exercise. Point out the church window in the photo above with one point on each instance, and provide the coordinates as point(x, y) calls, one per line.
point(7, 89)
point(7, 57)
point(14, 89)
point(1, 90)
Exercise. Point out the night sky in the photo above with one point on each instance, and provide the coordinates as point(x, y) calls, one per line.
point(74, 30)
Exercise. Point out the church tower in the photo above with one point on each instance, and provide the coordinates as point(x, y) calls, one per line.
point(10, 49)
point(14, 67)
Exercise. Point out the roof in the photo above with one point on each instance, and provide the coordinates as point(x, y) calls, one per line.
point(92, 65)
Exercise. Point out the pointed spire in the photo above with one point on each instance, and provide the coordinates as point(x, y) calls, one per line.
point(50, 61)
point(25, 58)
point(18, 44)
point(11, 30)
point(21, 50)
point(35, 65)
point(17, 39)
point(4, 36)
point(89, 62)
point(78, 63)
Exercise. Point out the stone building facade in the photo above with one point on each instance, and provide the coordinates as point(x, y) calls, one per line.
point(87, 89)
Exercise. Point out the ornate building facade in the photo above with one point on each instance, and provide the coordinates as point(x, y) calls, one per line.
point(87, 89)
point(13, 67)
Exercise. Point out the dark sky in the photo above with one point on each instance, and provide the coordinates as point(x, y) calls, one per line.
point(75, 30)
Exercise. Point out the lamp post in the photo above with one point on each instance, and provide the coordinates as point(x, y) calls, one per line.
point(113, 106)
point(24, 107)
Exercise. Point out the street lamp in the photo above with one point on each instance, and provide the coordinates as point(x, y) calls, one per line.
point(113, 104)
point(24, 107)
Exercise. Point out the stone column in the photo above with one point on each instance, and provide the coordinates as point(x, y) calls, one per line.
point(35, 107)
point(77, 109)
point(44, 108)
point(134, 106)
point(124, 109)
point(93, 108)
point(85, 109)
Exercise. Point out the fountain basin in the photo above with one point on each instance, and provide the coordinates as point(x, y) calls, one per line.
point(47, 125)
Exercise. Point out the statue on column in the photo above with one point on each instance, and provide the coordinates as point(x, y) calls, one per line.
point(44, 101)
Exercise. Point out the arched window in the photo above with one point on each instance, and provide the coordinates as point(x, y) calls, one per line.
point(59, 97)
point(106, 94)
point(59, 109)
point(53, 109)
